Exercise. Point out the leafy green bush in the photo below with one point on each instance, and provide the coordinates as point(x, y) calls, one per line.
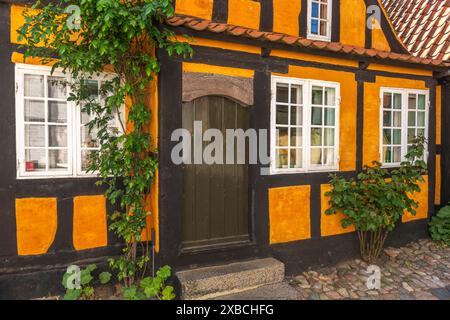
point(376, 200)
point(440, 226)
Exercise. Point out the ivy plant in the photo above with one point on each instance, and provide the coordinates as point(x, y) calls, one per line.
point(87, 37)
point(377, 198)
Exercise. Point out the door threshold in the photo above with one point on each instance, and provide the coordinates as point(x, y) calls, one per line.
point(215, 246)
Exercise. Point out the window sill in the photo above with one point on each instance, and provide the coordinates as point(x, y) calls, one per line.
point(325, 170)
point(49, 177)
point(318, 38)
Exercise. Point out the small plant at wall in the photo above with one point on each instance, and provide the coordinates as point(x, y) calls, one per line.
point(85, 37)
point(377, 199)
point(79, 286)
point(153, 288)
point(440, 226)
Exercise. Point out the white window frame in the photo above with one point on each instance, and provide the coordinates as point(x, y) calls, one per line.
point(73, 126)
point(404, 130)
point(307, 85)
point(329, 19)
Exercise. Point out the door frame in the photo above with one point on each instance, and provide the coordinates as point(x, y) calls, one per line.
point(170, 88)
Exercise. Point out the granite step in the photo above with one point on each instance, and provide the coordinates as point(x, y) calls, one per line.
point(227, 279)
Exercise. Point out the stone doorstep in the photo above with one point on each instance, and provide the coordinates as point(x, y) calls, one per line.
point(221, 280)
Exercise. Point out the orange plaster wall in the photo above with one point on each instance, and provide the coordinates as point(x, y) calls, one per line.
point(244, 13)
point(285, 16)
point(17, 20)
point(353, 25)
point(331, 225)
point(197, 8)
point(36, 223)
point(379, 40)
point(219, 44)
point(289, 212)
point(207, 68)
point(371, 132)
point(347, 110)
point(437, 194)
point(89, 222)
point(422, 198)
point(314, 58)
point(395, 69)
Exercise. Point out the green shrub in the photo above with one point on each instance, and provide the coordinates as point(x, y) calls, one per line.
point(440, 226)
point(377, 199)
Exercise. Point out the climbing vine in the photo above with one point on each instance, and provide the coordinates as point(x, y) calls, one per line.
point(84, 38)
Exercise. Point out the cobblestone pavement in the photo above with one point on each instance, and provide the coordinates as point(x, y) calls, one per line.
point(418, 271)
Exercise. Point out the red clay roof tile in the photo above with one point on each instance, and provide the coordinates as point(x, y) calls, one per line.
point(205, 25)
point(422, 25)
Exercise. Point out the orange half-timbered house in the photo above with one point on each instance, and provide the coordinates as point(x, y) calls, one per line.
point(337, 84)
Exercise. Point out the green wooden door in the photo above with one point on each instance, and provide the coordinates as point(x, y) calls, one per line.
point(215, 197)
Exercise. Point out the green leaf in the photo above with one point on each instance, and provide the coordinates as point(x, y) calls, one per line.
point(104, 277)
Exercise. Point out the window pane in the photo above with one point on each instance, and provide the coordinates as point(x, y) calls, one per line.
point(396, 153)
point(92, 88)
point(397, 136)
point(420, 132)
point(323, 28)
point(421, 104)
point(421, 119)
point(57, 160)
point(328, 156)
point(296, 158)
point(397, 101)
point(314, 26)
point(282, 158)
point(90, 139)
point(329, 117)
point(296, 116)
point(317, 95)
point(296, 137)
point(330, 96)
point(282, 93)
point(387, 118)
point(411, 135)
point(387, 153)
point(282, 115)
point(387, 138)
point(411, 118)
point(329, 137)
point(323, 11)
point(34, 135)
point(316, 136)
point(57, 112)
point(412, 101)
point(34, 160)
point(85, 159)
point(387, 100)
point(34, 85)
point(316, 116)
point(56, 87)
point(397, 119)
point(314, 10)
point(296, 94)
point(316, 156)
point(85, 118)
point(57, 136)
point(34, 111)
point(282, 137)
